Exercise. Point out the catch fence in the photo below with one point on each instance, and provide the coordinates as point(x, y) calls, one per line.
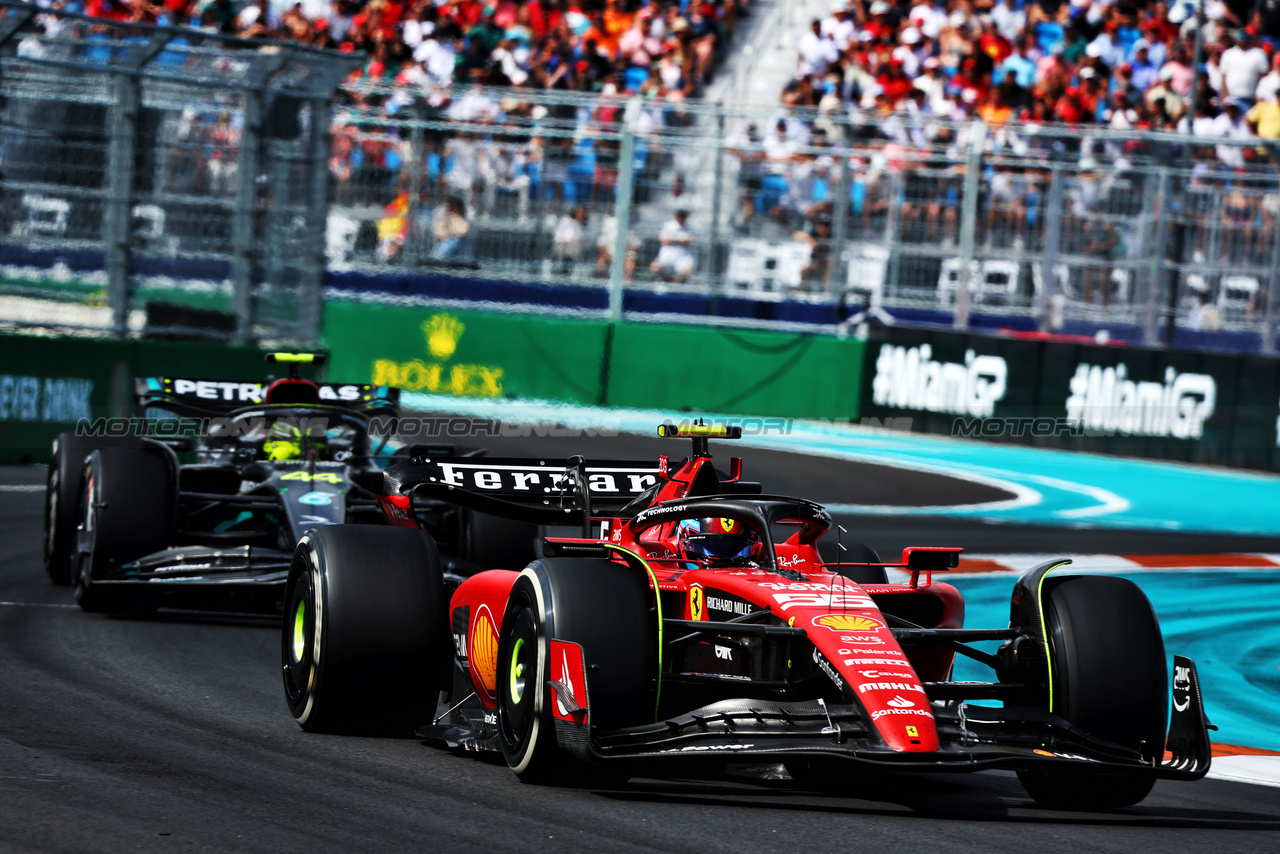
point(851, 214)
point(161, 181)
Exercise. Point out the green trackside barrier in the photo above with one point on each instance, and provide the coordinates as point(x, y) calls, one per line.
point(590, 362)
point(47, 384)
point(717, 369)
point(466, 353)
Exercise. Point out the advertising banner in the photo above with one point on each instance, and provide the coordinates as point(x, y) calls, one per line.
point(1198, 407)
point(698, 369)
point(47, 384)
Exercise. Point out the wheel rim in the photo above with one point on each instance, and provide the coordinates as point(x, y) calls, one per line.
point(516, 694)
point(517, 672)
point(297, 650)
point(299, 632)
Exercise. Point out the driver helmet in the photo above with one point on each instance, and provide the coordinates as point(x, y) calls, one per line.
point(717, 539)
point(285, 443)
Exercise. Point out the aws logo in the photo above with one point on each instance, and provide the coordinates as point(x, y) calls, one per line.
point(848, 623)
point(442, 332)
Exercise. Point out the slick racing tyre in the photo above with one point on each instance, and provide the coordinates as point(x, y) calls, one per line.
point(492, 542)
point(126, 511)
point(365, 647)
point(62, 499)
point(1108, 679)
point(605, 608)
point(858, 553)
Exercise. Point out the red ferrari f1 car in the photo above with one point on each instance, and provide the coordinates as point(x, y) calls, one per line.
point(694, 623)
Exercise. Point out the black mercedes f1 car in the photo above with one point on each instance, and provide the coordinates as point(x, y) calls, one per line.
point(199, 502)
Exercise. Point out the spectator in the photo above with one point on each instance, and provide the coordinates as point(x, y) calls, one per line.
point(1205, 315)
point(1231, 124)
point(817, 51)
point(1143, 70)
point(567, 241)
point(817, 272)
point(1269, 86)
point(675, 261)
point(1264, 117)
point(606, 244)
point(1009, 20)
point(1243, 65)
point(451, 231)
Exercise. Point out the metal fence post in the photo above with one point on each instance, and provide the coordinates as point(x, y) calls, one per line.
point(1273, 296)
point(840, 223)
point(1052, 245)
point(716, 199)
point(417, 163)
point(122, 156)
point(316, 218)
point(892, 227)
point(622, 207)
point(1163, 212)
point(243, 222)
point(968, 222)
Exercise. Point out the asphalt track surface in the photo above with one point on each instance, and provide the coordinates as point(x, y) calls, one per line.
point(171, 733)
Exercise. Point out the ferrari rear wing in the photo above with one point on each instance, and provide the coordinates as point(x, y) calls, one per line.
point(549, 492)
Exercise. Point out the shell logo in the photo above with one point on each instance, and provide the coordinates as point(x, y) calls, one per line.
point(484, 649)
point(848, 623)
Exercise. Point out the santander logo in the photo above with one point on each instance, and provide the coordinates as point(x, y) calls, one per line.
point(900, 702)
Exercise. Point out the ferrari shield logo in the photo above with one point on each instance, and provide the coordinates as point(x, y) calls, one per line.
point(697, 603)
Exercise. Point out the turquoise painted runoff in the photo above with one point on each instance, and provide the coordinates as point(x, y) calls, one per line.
point(1225, 620)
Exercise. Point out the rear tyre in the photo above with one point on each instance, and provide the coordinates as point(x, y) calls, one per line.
point(605, 608)
point(62, 500)
point(493, 542)
point(858, 553)
point(126, 509)
point(364, 647)
point(1109, 679)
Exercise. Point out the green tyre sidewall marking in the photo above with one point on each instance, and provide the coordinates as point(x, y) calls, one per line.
point(300, 631)
point(517, 689)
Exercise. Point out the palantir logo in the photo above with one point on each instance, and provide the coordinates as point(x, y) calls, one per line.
point(908, 378)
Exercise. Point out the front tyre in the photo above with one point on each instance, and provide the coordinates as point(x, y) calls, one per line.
point(605, 608)
point(364, 641)
point(1109, 679)
point(126, 511)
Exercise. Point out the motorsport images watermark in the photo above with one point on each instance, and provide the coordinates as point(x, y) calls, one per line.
point(406, 428)
point(1006, 427)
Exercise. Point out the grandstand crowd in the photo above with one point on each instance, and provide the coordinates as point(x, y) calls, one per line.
point(1123, 64)
point(889, 71)
point(581, 45)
